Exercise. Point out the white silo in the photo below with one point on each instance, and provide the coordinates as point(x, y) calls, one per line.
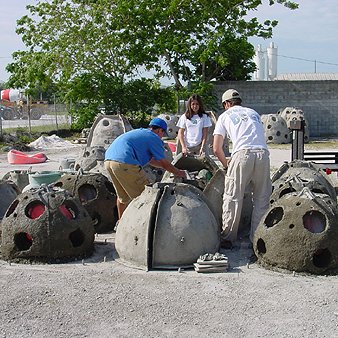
point(272, 61)
point(259, 60)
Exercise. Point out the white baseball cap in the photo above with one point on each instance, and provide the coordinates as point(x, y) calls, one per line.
point(230, 94)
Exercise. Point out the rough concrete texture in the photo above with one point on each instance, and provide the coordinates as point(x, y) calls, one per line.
point(18, 177)
point(8, 192)
point(295, 114)
point(213, 194)
point(171, 120)
point(46, 224)
point(295, 175)
point(106, 128)
point(299, 233)
point(168, 226)
point(89, 158)
point(199, 168)
point(276, 130)
point(97, 195)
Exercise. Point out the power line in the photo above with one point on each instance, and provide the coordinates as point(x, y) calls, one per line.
point(302, 59)
point(322, 62)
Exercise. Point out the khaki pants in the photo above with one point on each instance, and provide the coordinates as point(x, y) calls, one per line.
point(246, 166)
point(129, 180)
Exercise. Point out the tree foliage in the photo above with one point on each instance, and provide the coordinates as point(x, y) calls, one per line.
point(101, 45)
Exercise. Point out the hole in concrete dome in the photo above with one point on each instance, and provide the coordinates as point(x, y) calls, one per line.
point(86, 154)
point(270, 138)
point(66, 212)
point(35, 209)
point(278, 133)
point(170, 130)
point(321, 258)
point(272, 201)
point(167, 117)
point(58, 184)
point(269, 126)
point(12, 208)
point(105, 123)
point(274, 216)
point(261, 248)
point(87, 192)
point(314, 221)
point(291, 226)
point(77, 167)
point(23, 241)
point(77, 238)
point(298, 204)
point(286, 191)
point(69, 210)
point(286, 136)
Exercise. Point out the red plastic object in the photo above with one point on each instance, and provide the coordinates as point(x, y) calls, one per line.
point(328, 171)
point(18, 157)
point(172, 146)
point(36, 210)
point(66, 212)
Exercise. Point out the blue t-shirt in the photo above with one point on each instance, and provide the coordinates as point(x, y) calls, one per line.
point(137, 146)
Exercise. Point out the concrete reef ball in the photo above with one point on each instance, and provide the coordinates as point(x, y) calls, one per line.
point(46, 224)
point(106, 128)
point(168, 226)
point(171, 120)
point(97, 195)
point(299, 233)
point(276, 130)
point(295, 114)
point(296, 175)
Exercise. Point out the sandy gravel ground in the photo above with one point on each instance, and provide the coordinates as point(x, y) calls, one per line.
point(99, 297)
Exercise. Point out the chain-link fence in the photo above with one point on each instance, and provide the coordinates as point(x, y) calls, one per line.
point(36, 117)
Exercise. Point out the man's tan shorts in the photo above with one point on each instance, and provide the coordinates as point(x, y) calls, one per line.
point(129, 180)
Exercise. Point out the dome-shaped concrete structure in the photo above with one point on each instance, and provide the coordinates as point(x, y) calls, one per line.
point(96, 193)
point(296, 175)
point(171, 120)
point(276, 130)
point(299, 233)
point(46, 224)
point(295, 114)
point(168, 226)
point(106, 128)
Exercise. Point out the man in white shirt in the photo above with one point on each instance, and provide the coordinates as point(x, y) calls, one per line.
point(249, 164)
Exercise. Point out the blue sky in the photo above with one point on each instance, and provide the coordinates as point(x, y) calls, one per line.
point(309, 33)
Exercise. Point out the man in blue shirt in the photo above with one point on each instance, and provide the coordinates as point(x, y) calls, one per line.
point(129, 152)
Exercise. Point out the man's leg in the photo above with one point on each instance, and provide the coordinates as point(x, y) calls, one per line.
point(236, 180)
point(262, 188)
point(120, 207)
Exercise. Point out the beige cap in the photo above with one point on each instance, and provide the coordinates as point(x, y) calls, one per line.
point(230, 94)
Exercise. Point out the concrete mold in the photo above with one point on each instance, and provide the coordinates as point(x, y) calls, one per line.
point(168, 226)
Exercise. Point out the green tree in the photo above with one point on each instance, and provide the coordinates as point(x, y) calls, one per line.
point(104, 44)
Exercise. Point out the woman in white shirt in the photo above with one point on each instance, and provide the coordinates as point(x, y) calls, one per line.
point(193, 127)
